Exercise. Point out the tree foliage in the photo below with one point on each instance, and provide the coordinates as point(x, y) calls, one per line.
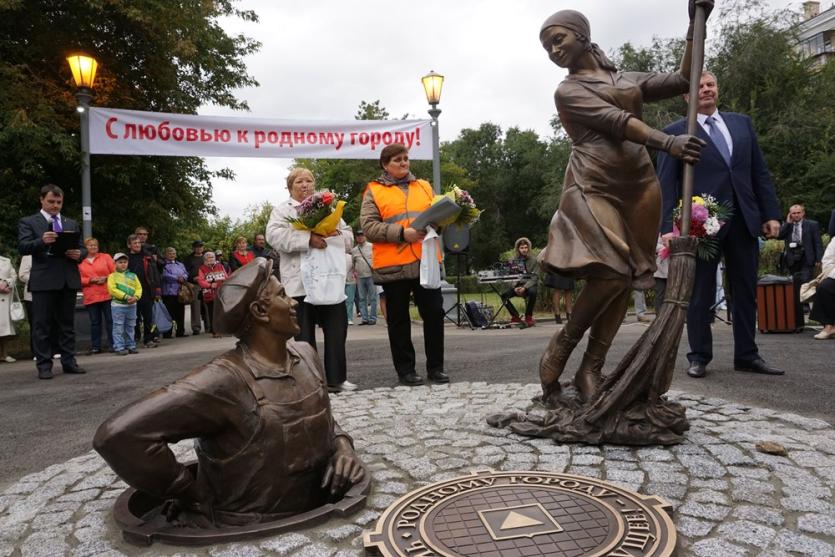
point(159, 56)
point(761, 73)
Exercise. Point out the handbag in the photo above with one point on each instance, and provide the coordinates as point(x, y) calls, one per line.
point(162, 319)
point(323, 273)
point(16, 311)
point(808, 289)
point(185, 295)
point(430, 267)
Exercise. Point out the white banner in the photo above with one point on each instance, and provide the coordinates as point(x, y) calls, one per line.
point(116, 131)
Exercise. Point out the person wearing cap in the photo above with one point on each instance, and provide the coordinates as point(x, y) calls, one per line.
point(362, 257)
point(193, 263)
point(125, 290)
point(267, 443)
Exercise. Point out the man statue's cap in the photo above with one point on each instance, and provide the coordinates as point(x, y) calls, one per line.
point(236, 294)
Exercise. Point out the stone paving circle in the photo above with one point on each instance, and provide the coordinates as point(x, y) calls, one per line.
point(729, 499)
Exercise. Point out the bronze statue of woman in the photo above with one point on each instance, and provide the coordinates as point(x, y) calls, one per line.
point(606, 227)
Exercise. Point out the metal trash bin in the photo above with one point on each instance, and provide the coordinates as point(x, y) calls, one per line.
point(81, 322)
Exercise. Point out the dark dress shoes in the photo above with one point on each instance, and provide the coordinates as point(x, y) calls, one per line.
point(45, 374)
point(758, 366)
point(697, 370)
point(438, 377)
point(411, 380)
point(74, 370)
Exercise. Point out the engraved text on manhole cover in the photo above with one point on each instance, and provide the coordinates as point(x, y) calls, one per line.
point(516, 514)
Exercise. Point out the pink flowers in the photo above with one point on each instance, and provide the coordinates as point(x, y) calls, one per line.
point(707, 216)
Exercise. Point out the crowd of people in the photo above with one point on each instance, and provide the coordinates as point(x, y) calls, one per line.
point(125, 294)
point(135, 297)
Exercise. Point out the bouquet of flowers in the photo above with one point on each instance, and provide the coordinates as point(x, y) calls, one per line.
point(707, 216)
point(318, 214)
point(469, 213)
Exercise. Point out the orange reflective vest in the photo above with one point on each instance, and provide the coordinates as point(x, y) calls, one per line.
point(397, 207)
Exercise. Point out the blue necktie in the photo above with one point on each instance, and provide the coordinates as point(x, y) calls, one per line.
point(56, 224)
point(719, 140)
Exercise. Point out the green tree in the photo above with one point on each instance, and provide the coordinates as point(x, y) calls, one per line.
point(508, 174)
point(161, 56)
point(761, 73)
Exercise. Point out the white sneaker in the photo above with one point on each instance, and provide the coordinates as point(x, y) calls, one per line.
point(344, 386)
point(9, 360)
point(350, 322)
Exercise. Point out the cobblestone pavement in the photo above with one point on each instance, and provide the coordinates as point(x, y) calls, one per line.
point(729, 499)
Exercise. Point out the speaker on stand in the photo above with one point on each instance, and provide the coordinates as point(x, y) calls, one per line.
point(456, 241)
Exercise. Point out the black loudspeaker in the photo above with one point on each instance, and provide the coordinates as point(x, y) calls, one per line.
point(456, 238)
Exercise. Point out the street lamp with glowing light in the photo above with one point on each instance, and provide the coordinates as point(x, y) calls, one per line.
point(83, 70)
point(432, 85)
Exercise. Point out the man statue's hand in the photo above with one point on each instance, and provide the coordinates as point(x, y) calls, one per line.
point(344, 469)
point(706, 4)
point(193, 506)
point(771, 229)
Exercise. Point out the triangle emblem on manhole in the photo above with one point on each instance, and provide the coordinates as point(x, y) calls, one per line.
point(517, 520)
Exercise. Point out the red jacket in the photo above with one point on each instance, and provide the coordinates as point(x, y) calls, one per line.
point(236, 261)
point(101, 266)
point(210, 279)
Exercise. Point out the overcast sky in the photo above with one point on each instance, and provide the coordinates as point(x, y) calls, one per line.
point(320, 58)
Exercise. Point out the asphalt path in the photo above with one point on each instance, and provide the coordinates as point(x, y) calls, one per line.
point(48, 422)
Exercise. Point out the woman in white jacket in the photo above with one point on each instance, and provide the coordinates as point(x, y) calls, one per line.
point(823, 306)
point(8, 280)
point(291, 244)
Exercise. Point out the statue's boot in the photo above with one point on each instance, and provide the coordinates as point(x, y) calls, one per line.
point(553, 361)
point(589, 376)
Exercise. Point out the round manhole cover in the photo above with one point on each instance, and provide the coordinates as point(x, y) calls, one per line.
point(512, 514)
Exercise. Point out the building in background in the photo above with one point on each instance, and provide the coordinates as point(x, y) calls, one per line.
point(817, 33)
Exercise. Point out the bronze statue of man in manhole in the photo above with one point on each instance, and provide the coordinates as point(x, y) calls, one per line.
point(268, 448)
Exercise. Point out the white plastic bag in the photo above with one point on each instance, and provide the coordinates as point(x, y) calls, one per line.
point(323, 273)
point(430, 267)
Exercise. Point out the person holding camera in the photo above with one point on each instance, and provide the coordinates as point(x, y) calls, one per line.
point(803, 250)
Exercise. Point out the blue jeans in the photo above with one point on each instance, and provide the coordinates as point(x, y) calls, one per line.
point(100, 311)
point(368, 299)
point(350, 291)
point(124, 322)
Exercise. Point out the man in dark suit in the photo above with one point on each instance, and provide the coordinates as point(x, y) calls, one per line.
point(733, 171)
point(803, 249)
point(53, 281)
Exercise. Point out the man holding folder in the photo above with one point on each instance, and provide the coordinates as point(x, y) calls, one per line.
point(54, 242)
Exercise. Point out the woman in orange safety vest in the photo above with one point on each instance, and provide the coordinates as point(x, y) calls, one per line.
point(390, 203)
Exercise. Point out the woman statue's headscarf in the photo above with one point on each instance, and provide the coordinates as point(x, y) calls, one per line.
point(577, 22)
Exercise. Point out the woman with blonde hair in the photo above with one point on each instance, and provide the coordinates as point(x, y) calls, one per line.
point(291, 244)
point(241, 255)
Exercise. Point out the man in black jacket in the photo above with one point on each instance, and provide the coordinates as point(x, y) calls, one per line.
point(53, 281)
point(803, 247)
point(145, 268)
